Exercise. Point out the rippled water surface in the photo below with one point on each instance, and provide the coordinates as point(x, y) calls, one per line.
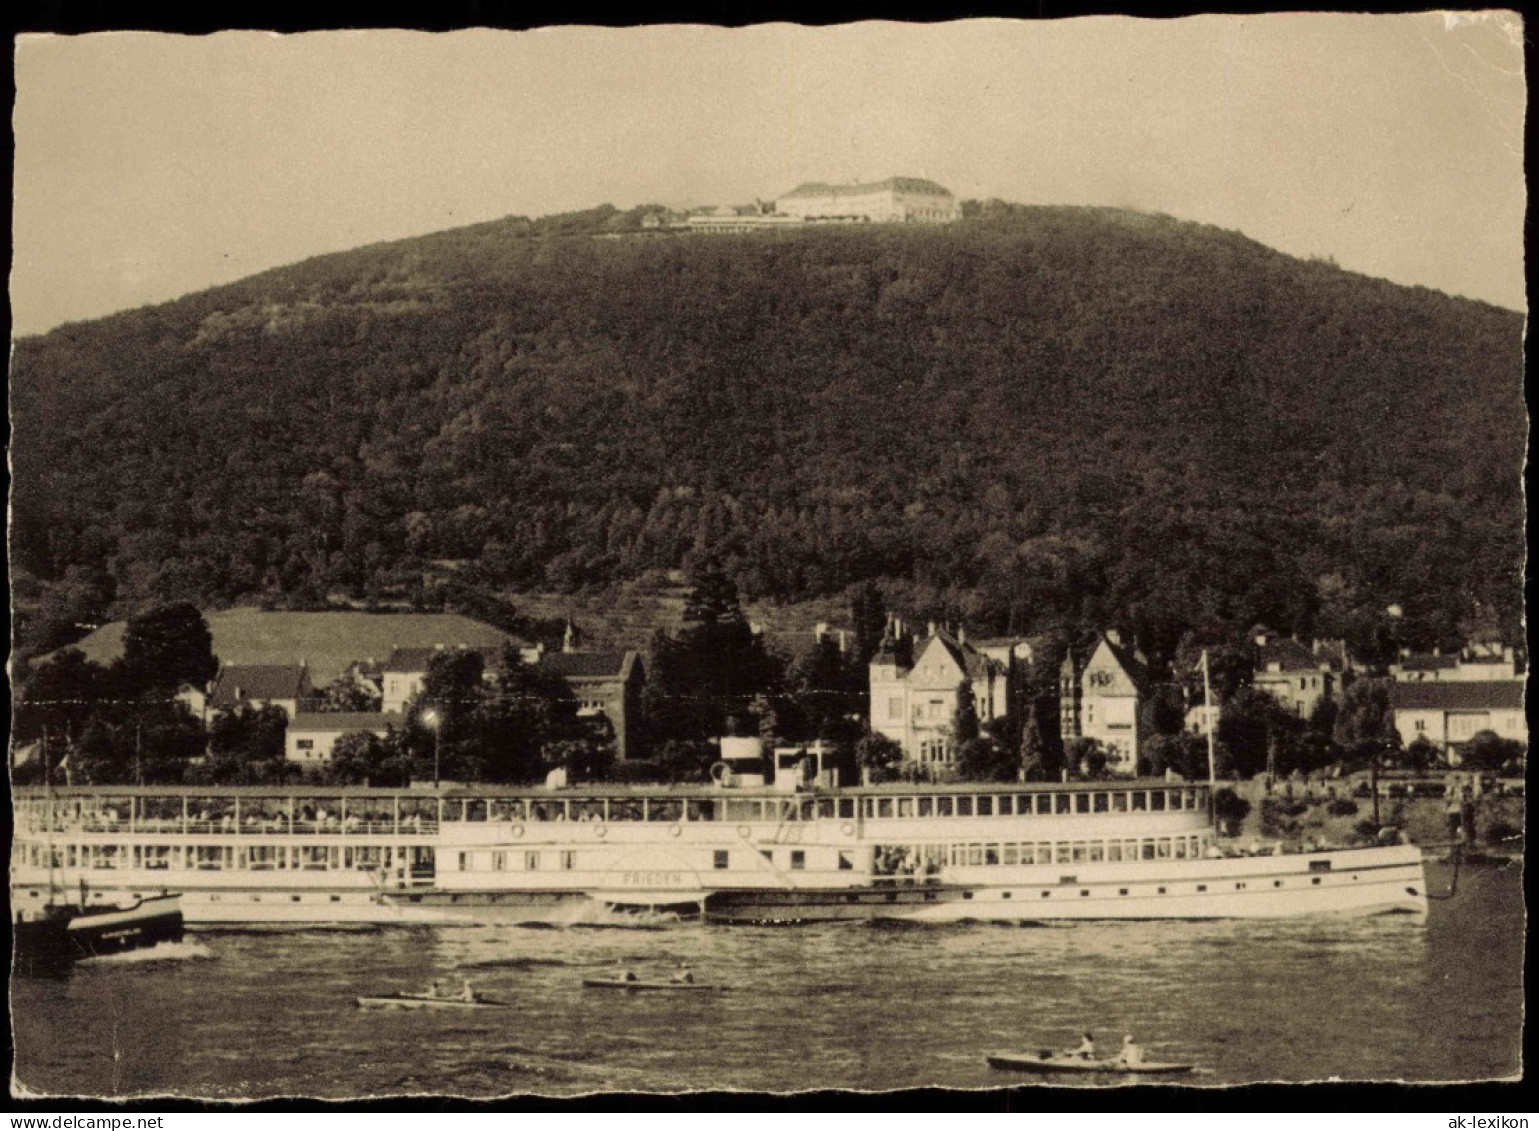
point(870, 1006)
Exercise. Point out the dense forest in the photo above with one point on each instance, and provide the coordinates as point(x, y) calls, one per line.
point(1035, 419)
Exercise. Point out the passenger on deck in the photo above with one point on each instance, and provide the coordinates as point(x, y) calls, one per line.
point(1131, 1054)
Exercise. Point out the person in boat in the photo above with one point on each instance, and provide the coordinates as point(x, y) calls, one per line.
point(1131, 1055)
point(1086, 1050)
point(684, 977)
point(467, 991)
point(628, 976)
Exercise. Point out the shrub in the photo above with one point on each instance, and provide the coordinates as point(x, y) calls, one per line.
point(1502, 832)
point(1343, 807)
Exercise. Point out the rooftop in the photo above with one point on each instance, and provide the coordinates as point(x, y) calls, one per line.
point(238, 683)
point(895, 184)
point(1459, 695)
point(587, 665)
point(344, 722)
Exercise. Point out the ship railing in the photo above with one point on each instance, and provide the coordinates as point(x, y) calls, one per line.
point(228, 826)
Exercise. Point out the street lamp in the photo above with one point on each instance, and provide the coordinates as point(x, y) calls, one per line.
point(431, 718)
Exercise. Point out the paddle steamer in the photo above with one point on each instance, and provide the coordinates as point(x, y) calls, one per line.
point(1026, 853)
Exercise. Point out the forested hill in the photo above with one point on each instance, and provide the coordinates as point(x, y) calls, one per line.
point(1037, 416)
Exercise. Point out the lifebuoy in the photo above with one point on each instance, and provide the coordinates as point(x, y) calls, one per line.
point(675, 830)
point(601, 831)
point(744, 831)
point(720, 772)
point(847, 829)
point(517, 830)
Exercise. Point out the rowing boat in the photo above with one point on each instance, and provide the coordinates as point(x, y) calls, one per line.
point(1049, 1062)
point(640, 984)
point(426, 1001)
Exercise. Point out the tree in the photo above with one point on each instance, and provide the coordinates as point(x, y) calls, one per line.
point(1488, 752)
point(984, 759)
point(868, 613)
point(1084, 756)
point(1365, 723)
point(346, 695)
point(168, 647)
point(713, 668)
point(964, 724)
point(246, 745)
point(1229, 809)
point(877, 756)
point(365, 758)
point(1251, 723)
point(1185, 753)
point(1034, 754)
point(1422, 753)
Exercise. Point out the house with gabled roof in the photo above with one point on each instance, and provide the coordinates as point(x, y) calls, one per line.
point(406, 669)
point(1448, 713)
point(1100, 688)
point(311, 736)
point(262, 685)
point(1296, 676)
point(915, 704)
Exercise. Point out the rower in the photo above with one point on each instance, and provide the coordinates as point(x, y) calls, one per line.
point(1131, 1054)
point(684, 977)
point(467, 992)
point(1086, 1050)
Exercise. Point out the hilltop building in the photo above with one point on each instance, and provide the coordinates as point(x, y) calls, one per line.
point(915, 704)
point(1100, 689)
point(897, 199)
point(1478, 663)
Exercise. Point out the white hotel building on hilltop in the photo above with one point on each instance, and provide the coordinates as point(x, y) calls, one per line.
point(895, 199)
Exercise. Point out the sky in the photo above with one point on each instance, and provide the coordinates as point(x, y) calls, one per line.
point(148, 166)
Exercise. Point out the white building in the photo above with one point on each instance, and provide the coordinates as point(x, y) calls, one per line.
point(897, 199)
point(916, 705)
point(407, 668)
point(311, 736)
point(1099, 697)
point(1448, 713)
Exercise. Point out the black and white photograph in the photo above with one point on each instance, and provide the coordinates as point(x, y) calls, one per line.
point(588, 561)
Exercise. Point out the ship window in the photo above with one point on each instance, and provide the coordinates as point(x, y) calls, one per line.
point(1146, 850)
point(568, 860)
point(926, 806)
point(1114, 851)
point(1028, 854)
point(825, 808)
point(1097, 852)
point(1157, 799)
point(767, 854)
point(975, 854)
point(1319, 865)
point(1100, 802)
point(626, 810)
point(464, 861)
point(846, 861)
point(665, 809)
point(1012, 854)
point(499, 861)
point(1119, 802)
point(846, 807)
point(798, 860)
point(1161, 891)
point(1044, 853)
point(991, 854)
point(1241, 887)
point(1047, 895)
point(1078, 853)
point(1082, 802)
point(1180, 847)
point(531, 861)
point(1062, 802)
point(1277, 883)
point(1004, 805)
point(1122, 891)
point(1202, 887)
point(743, 810)
point(964, 806)
point(1084, 891)
point(944, 807)
point(336, 899)
point(719, 859)
point(905, 806)
point(967, 895)
point(1315, 880)
point(1063, 853)
point(985, 806)
point(884, 807)
point(1163, 852)
point(1140, 800)
point(1006, 895)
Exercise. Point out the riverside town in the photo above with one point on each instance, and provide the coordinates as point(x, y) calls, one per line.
point(882, 635)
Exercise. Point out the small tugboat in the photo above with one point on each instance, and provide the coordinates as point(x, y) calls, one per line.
point(65, 933)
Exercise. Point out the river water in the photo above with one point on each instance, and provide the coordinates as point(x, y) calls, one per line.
point(857, 1005)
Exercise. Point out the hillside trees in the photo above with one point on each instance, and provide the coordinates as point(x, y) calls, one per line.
point(1219, 435)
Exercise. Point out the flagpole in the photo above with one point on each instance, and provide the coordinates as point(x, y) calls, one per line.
point(1207, 716)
